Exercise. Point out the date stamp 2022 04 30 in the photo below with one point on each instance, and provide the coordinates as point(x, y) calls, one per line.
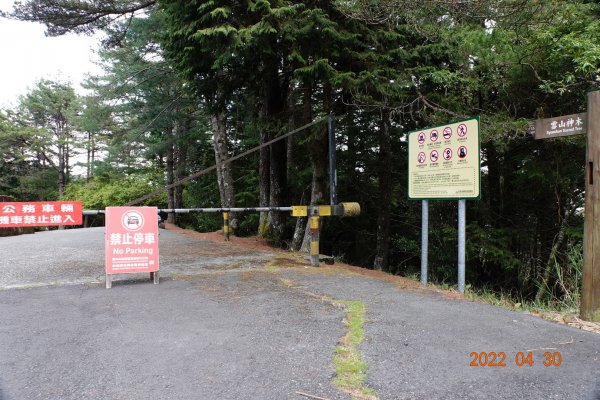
point(521, 359)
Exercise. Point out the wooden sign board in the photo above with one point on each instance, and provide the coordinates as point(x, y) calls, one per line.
point(565, 125)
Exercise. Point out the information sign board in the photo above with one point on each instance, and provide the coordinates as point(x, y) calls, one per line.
point(454, 175)
point(131, 240)
point(40, 213)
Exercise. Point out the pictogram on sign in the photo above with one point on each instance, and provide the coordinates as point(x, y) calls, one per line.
point(447, 133)
point(434, 155)
point(433, 135)
point(421, 138)
point(421, 157)
point(447, 154)
point(462, 130)
point(462, 152)
point(132, 221)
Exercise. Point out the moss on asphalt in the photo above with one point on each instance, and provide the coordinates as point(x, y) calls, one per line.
point(350, 369)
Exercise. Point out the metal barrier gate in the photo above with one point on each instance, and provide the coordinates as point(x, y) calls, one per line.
point(315, 213)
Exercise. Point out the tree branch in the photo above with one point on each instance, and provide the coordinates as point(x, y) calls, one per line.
point(83, 16)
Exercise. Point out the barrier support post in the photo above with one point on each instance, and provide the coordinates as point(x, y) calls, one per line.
point(314, 240)
point(226, 226)
point(314, 214)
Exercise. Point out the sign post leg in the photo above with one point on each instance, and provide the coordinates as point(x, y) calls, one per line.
point(108, 281)
point(154, 277)
point(590, 290)
point(462, 216)
point(424, 240)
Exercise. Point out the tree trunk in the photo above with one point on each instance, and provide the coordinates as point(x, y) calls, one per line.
point(88, 162)
point(93, 155)
point(67, 161)
point(61, 170)
point(277, 189)
point(299, 229)
point(298, 235)
point(180, 161)
point(170, 180)
point(290, 140)
point(495, 181)
point(382, 250)
point(62, 163)
point(224, 174)
point(264, 183)
point(543, 285)
point(318, 150)
point(275, 101)
point(64, 152)
point(180, 173)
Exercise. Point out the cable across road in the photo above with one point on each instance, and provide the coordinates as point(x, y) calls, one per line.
point(218, 164)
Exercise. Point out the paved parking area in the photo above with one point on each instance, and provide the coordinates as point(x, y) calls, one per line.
point(233, 321)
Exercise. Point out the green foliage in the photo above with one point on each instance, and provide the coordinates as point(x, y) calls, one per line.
point(37, 185)
point(562, 296)
point(248, 225)
point(37, 140)
point(492, 249)
point(97, 194)
point(274, 65)
point(50, 104)
point(64, 16)
point(203, 222)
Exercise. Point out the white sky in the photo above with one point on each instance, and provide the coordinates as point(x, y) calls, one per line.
point(27, 55)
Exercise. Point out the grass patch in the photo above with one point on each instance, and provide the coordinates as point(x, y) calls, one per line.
point(271, 267)
point(519, 304)
point(287, 282)
point(490, 297)
point(512, 301)
point(350, 369)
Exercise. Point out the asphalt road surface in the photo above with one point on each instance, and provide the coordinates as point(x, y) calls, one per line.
point(236, 321)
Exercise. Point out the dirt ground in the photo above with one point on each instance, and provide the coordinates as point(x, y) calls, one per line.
point(286, 259)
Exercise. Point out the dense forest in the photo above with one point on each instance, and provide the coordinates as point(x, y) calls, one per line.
point(189, 84)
